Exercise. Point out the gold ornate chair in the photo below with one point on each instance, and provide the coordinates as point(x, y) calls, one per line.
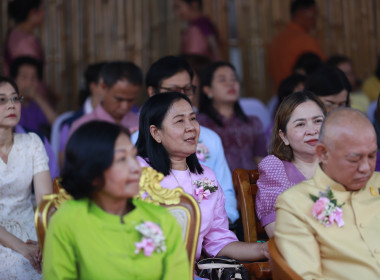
point(181, 205)
point(280, 268)
point(49, 204)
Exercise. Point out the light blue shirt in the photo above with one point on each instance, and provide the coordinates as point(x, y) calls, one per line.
point(217, 162)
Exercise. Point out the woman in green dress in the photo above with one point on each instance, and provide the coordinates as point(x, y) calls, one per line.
point(103, 233)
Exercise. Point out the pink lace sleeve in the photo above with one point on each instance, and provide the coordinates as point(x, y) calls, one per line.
point(273, 180)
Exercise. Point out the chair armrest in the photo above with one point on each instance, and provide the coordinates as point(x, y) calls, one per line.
point(259, 270)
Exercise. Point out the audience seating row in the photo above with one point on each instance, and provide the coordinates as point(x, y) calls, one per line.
point(186, 211)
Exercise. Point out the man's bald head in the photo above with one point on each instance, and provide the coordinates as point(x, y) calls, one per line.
point(347, 148)
point(344, 122)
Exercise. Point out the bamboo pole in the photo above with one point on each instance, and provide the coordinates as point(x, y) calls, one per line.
point(137, 58)
point(130, 27)
point(121, 28)
point(377, 26)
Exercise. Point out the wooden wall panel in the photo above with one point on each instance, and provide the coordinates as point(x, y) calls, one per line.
point(79, 32)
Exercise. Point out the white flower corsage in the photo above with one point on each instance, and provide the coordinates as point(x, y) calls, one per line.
point(153, 239)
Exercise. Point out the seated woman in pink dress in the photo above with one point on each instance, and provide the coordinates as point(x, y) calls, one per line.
point(243, 137)
point(293, 158)
point(167, 141)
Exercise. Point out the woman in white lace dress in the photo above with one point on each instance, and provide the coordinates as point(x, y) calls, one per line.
point(23, 160)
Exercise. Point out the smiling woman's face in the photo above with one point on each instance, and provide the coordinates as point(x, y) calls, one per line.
point(302, 129)
point(179, 132)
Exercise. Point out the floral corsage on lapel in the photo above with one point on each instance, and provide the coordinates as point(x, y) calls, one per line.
point(203, 188)
point(202, 152)
point(153, 239)
point(326, 208)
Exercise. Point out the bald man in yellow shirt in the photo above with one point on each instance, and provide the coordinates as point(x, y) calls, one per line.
point(328, 227)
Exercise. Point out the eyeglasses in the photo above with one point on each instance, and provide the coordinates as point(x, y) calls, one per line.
point(188, 90)
point(15, 99)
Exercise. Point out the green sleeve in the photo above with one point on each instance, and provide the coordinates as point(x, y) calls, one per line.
point(176, 262)
point(59, 261)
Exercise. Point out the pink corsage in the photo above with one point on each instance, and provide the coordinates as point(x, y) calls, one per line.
point(326, 209)
point(202, 152)
point(203, 188)
point(153, 239)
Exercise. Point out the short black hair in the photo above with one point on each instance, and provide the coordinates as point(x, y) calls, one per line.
point(19, 9)
point(197, 62)
point(309, 62)
point(377, 71)
point(165, 68)
point(115, 71)
point(89, 152)
point(328, 80)
point(337, 59)
point(205, 103)
point(153, 112)
point(297, 5)
point(4, 80)
point(91, 75)
point(288, 85)
point(199, 2)
point(25, 60)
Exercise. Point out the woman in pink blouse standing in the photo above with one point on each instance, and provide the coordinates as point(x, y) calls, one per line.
point(21, 41)
point(28, 16)
point(201, 36)
point(168, 139)
point(293, 158)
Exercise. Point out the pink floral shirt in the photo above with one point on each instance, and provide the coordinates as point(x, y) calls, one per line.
point(214, 233)
point(130, 120)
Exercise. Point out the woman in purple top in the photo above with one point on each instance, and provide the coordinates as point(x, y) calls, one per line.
point(37, 114)
point(243, 137)
point(293, 158)
point(167, 142)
